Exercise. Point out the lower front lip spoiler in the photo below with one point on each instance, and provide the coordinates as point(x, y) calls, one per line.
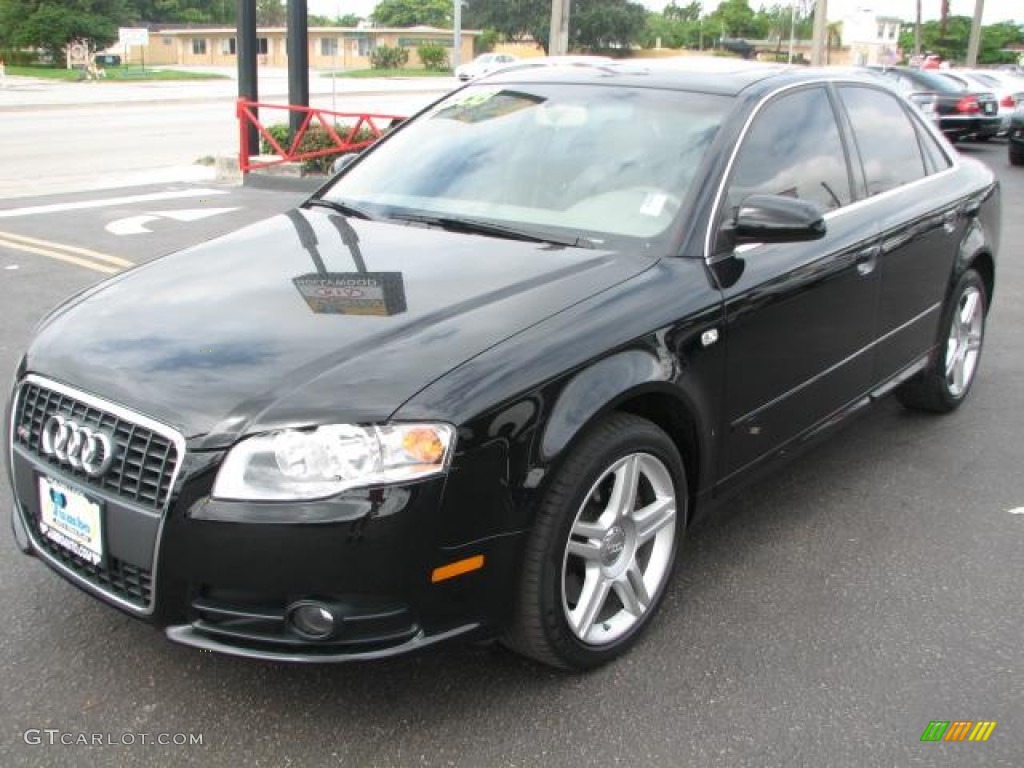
point(20, 534)
point(186, 634)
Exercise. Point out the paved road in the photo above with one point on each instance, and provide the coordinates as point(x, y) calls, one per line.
point(57, 137)
point(824, 620)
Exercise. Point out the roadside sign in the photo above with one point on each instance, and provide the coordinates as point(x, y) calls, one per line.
point(78, 54)
point(127, 36)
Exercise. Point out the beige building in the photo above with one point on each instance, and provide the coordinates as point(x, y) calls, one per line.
point(329, 47)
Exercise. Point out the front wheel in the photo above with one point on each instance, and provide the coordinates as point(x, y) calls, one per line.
point(1015, 154)
point(603, 546)
point(945, 384)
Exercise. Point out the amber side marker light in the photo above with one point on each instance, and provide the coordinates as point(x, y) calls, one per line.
point(457, 568)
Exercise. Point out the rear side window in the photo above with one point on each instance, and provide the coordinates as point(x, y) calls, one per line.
point(793, 149)
point(886, 138)
point(935, 159)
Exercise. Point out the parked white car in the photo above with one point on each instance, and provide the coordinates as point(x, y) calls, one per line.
point(484, 64)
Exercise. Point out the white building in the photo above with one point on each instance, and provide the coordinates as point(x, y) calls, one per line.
point(872, 38)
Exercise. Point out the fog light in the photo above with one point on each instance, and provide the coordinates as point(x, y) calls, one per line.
point(312, 620)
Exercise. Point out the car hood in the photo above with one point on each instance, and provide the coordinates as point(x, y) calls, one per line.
point(307, 317)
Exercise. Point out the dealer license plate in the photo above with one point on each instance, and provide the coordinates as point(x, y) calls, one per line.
point(71, 520)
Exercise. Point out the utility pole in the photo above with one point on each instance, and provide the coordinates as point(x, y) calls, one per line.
point(298, 62)
point(792, 30)
point(457, 50)
point(917, 30)
point(975, 41)
point(245, 48)
point(558, 41)
point(820, 33)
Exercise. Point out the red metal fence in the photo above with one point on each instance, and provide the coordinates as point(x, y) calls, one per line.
point(348, 132)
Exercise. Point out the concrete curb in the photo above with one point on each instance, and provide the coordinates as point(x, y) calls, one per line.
point(308, 184)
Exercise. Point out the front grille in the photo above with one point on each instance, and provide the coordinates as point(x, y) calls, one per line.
point(126, 581)
point(144, 460)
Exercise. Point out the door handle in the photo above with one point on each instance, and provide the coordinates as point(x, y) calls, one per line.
point(867, 260)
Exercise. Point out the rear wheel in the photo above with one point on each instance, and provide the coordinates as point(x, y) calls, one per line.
point(945, 384)
point(603, 546)
point(1015, 154)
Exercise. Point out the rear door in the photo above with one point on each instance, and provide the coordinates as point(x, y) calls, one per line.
point(920, 223)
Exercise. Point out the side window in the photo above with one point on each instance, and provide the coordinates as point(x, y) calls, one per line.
point(886, 138)
point(793, 149)
point(934, 157)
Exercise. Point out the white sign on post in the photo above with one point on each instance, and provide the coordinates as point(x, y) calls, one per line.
point(127, 36)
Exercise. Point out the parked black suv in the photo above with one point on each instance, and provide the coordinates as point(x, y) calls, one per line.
point(484, 380)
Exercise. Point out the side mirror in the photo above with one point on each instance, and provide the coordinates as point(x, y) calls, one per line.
point(776, 219)
point(343, 161)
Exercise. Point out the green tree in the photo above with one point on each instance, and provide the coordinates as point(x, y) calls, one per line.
point(176, 11)
point(603, 25)
point(271, 13)
point(672, 32)
point(511, 20)
point(690, 12)
point(953, 44)
point(413, 13)
point(734, 18)
point(44, 24)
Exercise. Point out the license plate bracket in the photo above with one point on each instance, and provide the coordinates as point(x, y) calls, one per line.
point(71, 520)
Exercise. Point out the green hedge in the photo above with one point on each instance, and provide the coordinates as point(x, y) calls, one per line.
point(315, 138)
point(433, 57)
point(386, 57)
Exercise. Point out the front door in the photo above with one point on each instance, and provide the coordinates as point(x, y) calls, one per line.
point(799, 317)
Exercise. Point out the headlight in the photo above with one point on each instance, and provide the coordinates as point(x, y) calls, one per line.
point(315, 463)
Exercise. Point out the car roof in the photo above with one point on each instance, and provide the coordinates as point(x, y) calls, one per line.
point(706, 74)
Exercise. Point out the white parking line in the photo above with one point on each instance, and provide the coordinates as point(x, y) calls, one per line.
point(34, 210)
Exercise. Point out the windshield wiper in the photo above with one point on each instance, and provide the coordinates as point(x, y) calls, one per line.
point(490, 229)
point(346, 209)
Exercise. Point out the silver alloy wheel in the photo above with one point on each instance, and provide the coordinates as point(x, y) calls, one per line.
point(964, 344)
point(620, 547)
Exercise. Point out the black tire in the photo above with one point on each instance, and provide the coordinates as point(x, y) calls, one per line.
point(1015, 154)
point(540, 627)
point(932, 389)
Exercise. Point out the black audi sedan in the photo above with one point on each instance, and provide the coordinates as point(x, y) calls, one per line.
point(960, 112)
point(482, 382)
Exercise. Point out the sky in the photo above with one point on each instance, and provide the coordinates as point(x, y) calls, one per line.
point(995, 10)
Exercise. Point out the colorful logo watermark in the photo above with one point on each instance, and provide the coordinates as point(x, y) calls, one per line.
point(958, 730)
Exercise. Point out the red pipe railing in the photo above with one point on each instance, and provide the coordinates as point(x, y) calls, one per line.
point(343, 128)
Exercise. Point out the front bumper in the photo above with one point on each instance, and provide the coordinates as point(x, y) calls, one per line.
point(218, 576)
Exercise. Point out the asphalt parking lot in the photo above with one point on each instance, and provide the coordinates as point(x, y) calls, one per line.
point(824, 619)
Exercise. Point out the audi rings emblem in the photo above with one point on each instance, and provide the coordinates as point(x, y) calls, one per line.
point(83, 448)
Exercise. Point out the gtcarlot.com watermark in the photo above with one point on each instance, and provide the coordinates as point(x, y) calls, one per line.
point(55, 737)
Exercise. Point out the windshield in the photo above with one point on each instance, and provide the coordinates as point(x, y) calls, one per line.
point(606, 165)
